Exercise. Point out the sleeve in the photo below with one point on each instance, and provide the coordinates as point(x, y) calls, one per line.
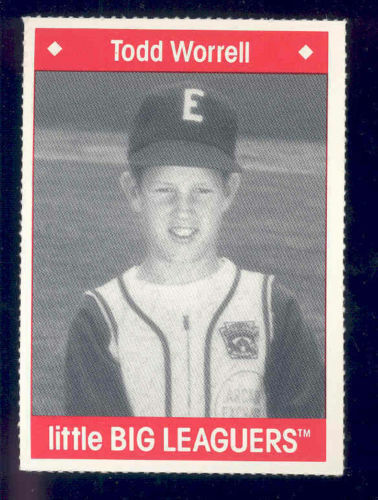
point(93, 381)
point(295, 369)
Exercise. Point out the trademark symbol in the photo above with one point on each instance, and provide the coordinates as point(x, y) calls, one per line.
point(306, 433)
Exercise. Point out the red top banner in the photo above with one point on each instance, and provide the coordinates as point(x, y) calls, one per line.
point(213, 51)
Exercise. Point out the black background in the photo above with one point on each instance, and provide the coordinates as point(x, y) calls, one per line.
point(361, 259)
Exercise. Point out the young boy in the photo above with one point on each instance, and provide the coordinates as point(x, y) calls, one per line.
point(186, 332)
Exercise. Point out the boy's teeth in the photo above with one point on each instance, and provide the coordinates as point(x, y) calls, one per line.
point(183, 232)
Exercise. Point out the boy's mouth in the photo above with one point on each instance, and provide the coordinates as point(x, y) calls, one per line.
point(182, 233)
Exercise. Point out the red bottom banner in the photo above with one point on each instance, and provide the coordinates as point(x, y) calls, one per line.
point(146, 438)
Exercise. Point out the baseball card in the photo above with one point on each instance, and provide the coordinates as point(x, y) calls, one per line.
point(182, 246)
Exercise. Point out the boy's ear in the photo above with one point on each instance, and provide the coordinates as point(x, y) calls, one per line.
point(232, 186)
point(131, 189)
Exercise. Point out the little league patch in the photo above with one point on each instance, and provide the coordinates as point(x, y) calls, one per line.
point(240, 339)
point(178, 289)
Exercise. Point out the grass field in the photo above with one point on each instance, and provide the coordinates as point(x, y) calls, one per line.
point(84, 235)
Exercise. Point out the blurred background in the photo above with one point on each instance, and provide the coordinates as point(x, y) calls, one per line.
point(85, 234)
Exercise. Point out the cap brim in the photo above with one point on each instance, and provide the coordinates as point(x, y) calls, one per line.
point(182, 153)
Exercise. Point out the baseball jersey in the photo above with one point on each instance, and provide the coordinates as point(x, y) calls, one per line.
point(231, 345)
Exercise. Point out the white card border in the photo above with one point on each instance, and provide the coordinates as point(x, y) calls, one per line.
point(335, 249)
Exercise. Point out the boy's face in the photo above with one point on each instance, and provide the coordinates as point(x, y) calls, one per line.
point(182, 209)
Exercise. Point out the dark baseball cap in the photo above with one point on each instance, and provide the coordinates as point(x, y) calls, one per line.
point(184, 126)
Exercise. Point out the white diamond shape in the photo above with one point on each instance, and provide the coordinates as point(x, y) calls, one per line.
point(305, 52)
point(54, 48)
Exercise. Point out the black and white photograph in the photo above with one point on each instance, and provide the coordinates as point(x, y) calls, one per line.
point(179, 245)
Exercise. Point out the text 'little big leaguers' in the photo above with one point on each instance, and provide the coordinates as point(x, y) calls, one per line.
point(186, 332)
point(219, 440)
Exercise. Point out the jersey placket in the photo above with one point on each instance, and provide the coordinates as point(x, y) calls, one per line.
point(186, 324)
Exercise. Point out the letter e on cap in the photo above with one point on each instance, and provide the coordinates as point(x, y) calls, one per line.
point(190, 105)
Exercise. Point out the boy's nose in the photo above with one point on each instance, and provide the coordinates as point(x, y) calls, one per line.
point(184, 204)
